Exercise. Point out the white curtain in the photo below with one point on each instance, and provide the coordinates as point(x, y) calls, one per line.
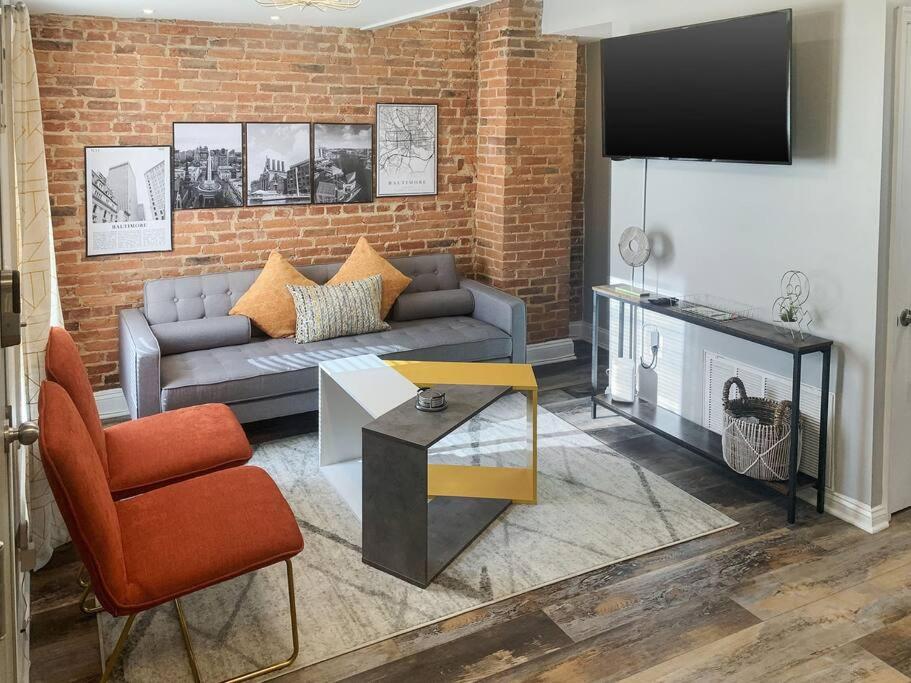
point(35, 262)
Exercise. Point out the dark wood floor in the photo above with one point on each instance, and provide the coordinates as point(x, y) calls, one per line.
point(819, 601)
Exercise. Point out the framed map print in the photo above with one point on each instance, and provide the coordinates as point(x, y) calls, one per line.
point(128, 200)
point(406, 150)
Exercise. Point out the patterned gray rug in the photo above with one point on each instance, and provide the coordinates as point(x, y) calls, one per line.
point(595, 508)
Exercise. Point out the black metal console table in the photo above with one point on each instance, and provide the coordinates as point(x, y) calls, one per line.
point(695, 437)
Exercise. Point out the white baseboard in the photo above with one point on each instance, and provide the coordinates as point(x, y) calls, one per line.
point(111, 404)
point(863, 516)
point(582, 330)
point(554, 351)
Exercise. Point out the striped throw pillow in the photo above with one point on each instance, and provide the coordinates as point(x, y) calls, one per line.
point(339, 310)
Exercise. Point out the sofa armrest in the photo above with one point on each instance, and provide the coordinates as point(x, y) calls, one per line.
point(501, 310)
point(140, 364)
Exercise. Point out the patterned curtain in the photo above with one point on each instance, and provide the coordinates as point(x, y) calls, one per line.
point(35, 262)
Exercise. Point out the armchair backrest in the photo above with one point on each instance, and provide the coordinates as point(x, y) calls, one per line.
point(80, 488)
point(64, 366)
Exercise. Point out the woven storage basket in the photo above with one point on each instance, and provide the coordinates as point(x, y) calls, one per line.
point(756, 440)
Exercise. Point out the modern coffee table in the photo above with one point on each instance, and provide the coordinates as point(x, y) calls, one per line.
point(357, 391)
point(404, 533)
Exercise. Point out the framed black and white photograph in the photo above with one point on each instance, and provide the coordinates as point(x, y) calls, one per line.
point(406, 150)
point(278, 164)
point(208, 165)
point(342, 163)
point(128, 200)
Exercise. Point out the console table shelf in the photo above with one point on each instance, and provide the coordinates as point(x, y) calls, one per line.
point(693, 436)
point(683, 432)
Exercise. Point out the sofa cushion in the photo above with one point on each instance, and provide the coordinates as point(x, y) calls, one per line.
point(439, 304)
point(267, 302)
point(205, 333)
point(331, 311)
point(275, 367)
point(363, 262)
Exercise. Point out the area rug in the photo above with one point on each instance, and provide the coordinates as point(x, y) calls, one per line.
point(595, 508)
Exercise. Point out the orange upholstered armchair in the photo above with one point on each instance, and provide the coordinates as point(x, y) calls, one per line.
point(153, 451)
point(154, 548)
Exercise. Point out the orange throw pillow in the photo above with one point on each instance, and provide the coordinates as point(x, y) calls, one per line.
point(364, 262)
point(267, 303)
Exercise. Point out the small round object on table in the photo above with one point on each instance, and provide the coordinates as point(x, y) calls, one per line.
point(431, 400)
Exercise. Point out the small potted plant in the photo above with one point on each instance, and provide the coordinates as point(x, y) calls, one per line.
point(790, 308)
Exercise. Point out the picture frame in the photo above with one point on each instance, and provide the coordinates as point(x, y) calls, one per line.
point(128, 201)
point(208, 165)
point(279, 164)
point(343, 156)
point(407, 149)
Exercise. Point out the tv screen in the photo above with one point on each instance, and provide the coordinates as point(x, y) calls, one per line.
point(716, 92)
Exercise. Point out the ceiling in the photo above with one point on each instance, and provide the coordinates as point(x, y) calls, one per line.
point(371, 13)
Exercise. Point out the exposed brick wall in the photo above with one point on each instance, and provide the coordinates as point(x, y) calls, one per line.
point(124, 82)
point(526, 121)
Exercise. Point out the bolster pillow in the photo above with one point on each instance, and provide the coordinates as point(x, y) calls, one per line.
point(202, 334)
point(441, 303)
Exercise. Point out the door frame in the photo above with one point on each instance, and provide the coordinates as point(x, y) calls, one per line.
point(15, 584)
point(895, 301)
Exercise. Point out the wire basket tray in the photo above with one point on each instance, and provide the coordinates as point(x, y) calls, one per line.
point(714, 308)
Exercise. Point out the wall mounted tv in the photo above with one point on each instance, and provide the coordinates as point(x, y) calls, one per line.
point(719, 91)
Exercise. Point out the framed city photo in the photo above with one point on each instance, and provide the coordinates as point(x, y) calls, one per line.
point(208, 165)
point(406, 150)
point(342, 163)
point(128, 200)
point(278, 164)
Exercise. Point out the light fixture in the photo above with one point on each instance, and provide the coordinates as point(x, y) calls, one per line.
point(275, 17)
point(321, 5)
point(148, 11)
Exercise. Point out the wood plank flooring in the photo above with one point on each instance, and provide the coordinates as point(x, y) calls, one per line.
point(819, 601)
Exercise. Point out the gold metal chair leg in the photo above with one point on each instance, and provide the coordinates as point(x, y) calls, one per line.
point(185, 632)
point(83, 602)
point(118, 648)
point(278, 666)
point(83, 577)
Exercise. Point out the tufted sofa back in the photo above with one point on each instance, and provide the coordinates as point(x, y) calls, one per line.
point(194, 297)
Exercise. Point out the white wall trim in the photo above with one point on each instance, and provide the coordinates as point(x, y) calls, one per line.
point(554, 351)
point(582, 330)
point(111, 404)
point(870, 519)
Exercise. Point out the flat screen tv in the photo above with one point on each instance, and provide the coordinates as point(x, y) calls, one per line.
point(719, 91)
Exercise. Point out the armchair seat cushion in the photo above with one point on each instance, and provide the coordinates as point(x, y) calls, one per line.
point(170, 447)
point(199, 532)
point(278, 367)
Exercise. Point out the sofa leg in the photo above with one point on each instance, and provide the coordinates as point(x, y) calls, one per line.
point(118, 648)
point(278, 666)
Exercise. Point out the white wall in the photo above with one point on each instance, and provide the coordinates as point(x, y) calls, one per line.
point(733, 229)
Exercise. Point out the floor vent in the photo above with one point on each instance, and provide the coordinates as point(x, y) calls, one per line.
point(758, 382)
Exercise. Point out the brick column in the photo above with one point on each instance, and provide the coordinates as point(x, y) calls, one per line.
point(524, 201)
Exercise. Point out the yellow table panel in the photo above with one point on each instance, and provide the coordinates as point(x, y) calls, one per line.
point(519, 484)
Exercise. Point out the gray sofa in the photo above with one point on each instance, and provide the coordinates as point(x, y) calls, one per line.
point(182, 348)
